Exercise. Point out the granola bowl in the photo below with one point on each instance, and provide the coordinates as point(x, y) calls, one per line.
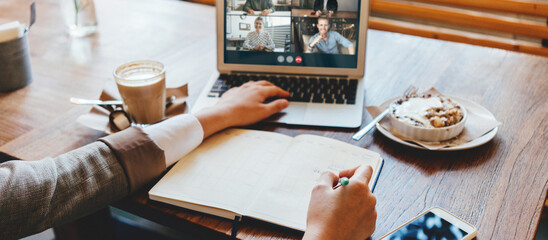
point(427, 117)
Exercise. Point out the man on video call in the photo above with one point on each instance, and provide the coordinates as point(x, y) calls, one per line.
point(326, 41)
point(263, 7)
point(328, 6)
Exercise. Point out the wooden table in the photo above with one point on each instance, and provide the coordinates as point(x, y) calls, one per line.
point(499, 187)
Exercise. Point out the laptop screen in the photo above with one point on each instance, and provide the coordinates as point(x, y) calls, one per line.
point(308, 33)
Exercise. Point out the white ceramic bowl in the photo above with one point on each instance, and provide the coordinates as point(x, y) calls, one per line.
point(410, 131)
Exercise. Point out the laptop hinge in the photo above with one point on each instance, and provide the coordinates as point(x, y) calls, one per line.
point(283, 74)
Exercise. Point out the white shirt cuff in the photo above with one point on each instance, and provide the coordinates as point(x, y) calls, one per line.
point(177, 136)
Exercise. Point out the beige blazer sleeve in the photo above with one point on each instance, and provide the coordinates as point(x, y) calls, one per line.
point(36, 195)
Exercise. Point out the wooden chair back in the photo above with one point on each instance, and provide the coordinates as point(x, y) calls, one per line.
point(506, 24)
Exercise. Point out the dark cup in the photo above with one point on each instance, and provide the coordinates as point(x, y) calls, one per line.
point(15, 69)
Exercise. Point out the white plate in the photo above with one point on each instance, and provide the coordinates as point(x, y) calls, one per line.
point(472, 144)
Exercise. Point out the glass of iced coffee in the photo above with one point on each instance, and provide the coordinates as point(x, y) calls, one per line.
point(142, 86)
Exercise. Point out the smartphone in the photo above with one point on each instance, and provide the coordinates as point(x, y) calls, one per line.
point(434, 223)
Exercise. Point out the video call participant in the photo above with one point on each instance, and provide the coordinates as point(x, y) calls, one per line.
point(327, 6)
point(259, 40)
point(326, 41)
point(264, 6)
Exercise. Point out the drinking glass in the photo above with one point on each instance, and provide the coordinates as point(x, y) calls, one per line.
point(80, 17)
point(142, 86)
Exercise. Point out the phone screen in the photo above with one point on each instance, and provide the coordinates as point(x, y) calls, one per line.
point(428, 227)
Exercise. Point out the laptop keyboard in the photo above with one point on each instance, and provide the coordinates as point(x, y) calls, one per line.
point(301, 89)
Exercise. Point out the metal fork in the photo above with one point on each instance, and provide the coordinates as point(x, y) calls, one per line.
point(410, 90)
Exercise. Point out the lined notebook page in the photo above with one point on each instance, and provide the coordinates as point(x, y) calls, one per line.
point(286, 196)
point(225, 171)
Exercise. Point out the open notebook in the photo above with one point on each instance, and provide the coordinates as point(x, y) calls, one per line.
point(263, 175)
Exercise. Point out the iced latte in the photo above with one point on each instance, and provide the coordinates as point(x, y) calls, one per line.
point(143, 89)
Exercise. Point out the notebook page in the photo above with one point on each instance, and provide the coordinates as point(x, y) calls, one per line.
point(224, 171)
point(286, 196)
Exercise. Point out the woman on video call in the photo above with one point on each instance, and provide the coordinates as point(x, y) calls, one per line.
point(259, 40)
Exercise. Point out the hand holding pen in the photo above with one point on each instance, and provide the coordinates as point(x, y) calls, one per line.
point(348, 209)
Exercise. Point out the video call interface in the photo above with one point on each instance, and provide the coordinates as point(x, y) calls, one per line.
point(428, 227)
point(312, 33)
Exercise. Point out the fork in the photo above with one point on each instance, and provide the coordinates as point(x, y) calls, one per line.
point(410, 90)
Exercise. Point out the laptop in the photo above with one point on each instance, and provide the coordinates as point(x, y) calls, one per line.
point(314, 51)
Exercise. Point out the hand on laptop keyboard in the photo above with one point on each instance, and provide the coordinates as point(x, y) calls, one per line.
point(302, 89)
point(245, 105)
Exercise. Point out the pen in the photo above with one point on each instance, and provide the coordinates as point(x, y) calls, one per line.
point(342, 182)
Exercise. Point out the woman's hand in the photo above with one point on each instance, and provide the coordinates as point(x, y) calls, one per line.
point(347, 212)
point(242, 106)
point(259, 47)
point(250, 11)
